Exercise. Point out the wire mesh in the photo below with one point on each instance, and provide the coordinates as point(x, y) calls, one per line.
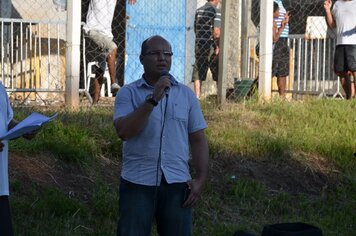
point(33, 50)
point(311, 44)
point(33, 45)
point(131, 24)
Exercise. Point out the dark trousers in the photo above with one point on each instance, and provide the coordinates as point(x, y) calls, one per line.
point(5, 217)
point(205, 58)
point(139, 205)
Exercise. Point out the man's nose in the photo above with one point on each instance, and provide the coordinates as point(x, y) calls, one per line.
point(161, 56)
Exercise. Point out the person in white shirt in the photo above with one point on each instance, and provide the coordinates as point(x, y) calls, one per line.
point(98, 29)
point(342, 17)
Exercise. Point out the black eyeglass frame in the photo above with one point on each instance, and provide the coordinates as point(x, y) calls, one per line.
point(158, 53)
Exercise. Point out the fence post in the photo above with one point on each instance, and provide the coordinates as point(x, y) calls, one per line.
point(265, 66)
point(245, 17)
point(224, 51)
point(73, 53)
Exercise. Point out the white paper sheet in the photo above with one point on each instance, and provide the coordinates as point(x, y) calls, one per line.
point(29, 124)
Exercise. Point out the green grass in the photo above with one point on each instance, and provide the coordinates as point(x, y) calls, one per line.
point(315, 139)
point(76, 137)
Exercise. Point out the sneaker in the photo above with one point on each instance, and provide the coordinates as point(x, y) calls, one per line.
point(114, 88)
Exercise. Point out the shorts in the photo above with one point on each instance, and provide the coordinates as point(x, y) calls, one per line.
point(345, 58)
point(105, 44)
point(205, 58)
point(280, 63)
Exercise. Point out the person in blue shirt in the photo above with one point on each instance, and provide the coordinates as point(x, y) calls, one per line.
point(159, 121)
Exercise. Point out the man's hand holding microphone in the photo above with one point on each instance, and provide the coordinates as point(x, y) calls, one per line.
point(162, 86)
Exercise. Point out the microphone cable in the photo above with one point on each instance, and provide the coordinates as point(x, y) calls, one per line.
point(159, 156)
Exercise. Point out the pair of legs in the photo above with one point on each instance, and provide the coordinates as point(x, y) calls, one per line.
point(5, 217)
point(345, 67)
point(99, 76)
point(280, 65)
point(139, 205)
point(282, 84)
point(348, 83)
point(108, 53)
point(205, 58)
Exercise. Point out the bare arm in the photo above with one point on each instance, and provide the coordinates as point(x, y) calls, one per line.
point(329, 17)
point(200, 156)
point(130, 125)
point(216, 35)
point(277, 32)
point(131, 2)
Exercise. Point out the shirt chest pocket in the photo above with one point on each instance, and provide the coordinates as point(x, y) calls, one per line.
point(180, 112)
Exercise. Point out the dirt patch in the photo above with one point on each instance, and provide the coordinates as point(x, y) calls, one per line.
point(305, 174)
point(71, 179)
point(310, 176)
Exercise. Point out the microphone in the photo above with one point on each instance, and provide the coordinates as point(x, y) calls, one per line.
point(165, 73)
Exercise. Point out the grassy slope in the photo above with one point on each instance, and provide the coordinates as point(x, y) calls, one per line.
point(270, 163)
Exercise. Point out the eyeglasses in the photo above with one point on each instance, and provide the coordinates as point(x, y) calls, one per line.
point(159, 53)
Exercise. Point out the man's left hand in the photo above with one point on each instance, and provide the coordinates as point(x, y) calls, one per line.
point(195, 189)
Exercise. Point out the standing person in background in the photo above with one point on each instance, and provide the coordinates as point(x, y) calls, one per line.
point(278, 31)
point(6, 123)
point(207, 27)
point(343, 18)
point(120, 22)
point(98, 29)
point(280, 63)
point(159, 121)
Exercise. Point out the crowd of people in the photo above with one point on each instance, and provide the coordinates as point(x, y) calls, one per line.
point(207, 27)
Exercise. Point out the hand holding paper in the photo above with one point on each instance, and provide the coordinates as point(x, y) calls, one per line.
point(29, 125)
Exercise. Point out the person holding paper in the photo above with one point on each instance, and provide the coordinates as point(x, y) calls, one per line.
point(7, 122)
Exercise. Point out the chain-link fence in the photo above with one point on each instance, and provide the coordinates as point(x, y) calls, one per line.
point(311, 47)
point(131, 24)
point(174, 20)
point(33, 50)
point(110, 17)
point(33, 45)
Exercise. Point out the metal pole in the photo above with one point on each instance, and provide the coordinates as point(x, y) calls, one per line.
point(224, 51)
point(245, 16)
point(265, 68)
point(73, 53)
point(238, 38)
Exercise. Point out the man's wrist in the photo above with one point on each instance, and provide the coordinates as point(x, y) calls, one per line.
point(150, 100)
